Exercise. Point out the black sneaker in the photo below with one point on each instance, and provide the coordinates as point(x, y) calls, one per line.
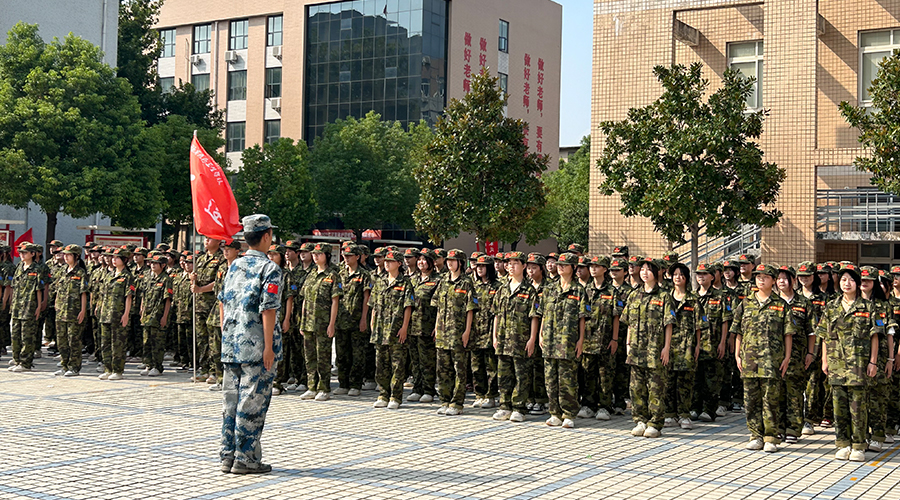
point(790, 439)
point(242, 468)
point(537, 409)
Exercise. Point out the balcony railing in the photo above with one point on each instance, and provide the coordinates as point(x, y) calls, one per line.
point(861, 210)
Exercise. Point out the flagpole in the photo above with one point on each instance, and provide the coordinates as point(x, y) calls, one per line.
point(194, 295)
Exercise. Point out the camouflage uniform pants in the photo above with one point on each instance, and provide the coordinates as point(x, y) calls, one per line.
point(451, 376)
point(484, 372)
point(815, 394)
point(878, 393)
point(317, 347)
point(112, 340)
point(247, 392)
point(792, 401)
point(648, 392)
point(98, 344)
point(215, 352)
point(5, 327)
point(390, 361)
point(203, 358)
point(134, 346)
point(850, 416)
point(828, 409)
point(538, 384)
point(708, 386)
point(185, 339)
point(893, 418)
point(514, 380)
point(24, 341)
point(370, 362)
point(49, 324)
point(599, 377)
point(762, 401)
point(68, 341)
point(350, 347)
point(562, 387)
point(87, 334)
point(153, 347)
point(732, 386)
point(297, 367)
point(622, 379)
point(284, 368)
point(679, 392)
point(423, 362)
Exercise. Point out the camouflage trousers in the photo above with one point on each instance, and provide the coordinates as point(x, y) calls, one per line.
point(679, 393)
point(247, 392)
point(893, 416)
point(5, 328)
point(96, 332)
point(112, 341)
point(816, 382)
point(514, 382)
point(850, 416)
point(732, 384)
point(390, 373)
point(68, 341)
point(350, 347)
point(762, 402)
point(622, 379)
point(707, 386)
point(423, 363)
point(87, 334)
point(203, 359)
point(24, 341)
point(538, 392)
point(48, 318)
point(134, 345)
point(297, 361)
point(215, 352)
point(648, 392)
point(451, 376)
point(484, 372)
point(792, 401)
point(599, 376)
point(317, 347)
point(185, 337)
point(153, 348)
point(877, 395)
point(562, 387)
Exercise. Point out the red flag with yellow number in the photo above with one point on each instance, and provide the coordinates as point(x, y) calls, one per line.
point(215, 209)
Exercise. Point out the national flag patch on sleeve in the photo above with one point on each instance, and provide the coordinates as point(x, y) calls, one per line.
point(271, 288)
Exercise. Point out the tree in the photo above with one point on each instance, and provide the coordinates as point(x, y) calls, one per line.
point(275, 181)
point(879, 127)
point(362, 169)
point(683, 162)
point(65, 114)
point(478, 175)
point(138, 47)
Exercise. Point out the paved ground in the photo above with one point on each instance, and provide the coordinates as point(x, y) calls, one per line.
point(82, 438)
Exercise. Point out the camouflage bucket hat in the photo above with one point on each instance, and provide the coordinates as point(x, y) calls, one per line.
point(704, 268)
point(788, 269)
point(72, 250)
point(600, 260)
point(868, 273)
point(806, 269)
point(456, 254)
point(575, 248)
point(536, 258)
point(321, 248)
point(392, 257)
point(484, 260)
point(568, 259)
point(617, 265)
point(767, 269)
point(235, 244)
point(411, 253)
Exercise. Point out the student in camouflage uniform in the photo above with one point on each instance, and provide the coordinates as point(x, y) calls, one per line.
point(285, 316)
point(115, 311)
point(7, 270)
point(801, 314)
point(422, 352)
point(27, 299)
point(537, 403)
point(44, 271)
point(456, 304)
point(155, 306)
point(72, 289)
point(98, 277)
point(763, 330)
point(206, 267)
point(352, 323)
point(481, 349)
point(500, 260)
point(850, 360)
point(893, 419)
point(879, 389)
point(564, 308)
point(299, 261)
point(136, 332)
point(55, 269)
point(621, 288)
point(732, 387)
point(550, 266)
point(648, 316)
point(601, 342)
point(322, 291)
point(184, 312)
point(812, 363)
point(391, 302)
point(713, 347)
point(690, 325)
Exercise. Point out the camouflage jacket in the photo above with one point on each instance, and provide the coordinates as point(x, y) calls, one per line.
point(716, 304)
point(252, 286)
point(884, 320)
point(388, 303)
point(181, 300)
point(803, 318)
point(647, 314)
point(55, 271)
point(319, 288)
point(354, 285)
point(157, 289)
point(27, 283)
point(142, 278)
point(601, 306)
point(689, 317)
point(424, 315)
point(298, 277)
point(214, 320)
point(116, 288)
point(848, 336)
point(562, 310)
point(69, 288)
point(453, 300)
point(98, 279)
point(483, 322)
point(207, 267)
point(763, 328)
point(514, 310)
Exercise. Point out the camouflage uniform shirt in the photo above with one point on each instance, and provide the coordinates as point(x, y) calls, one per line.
point(689, 317)
point(601, 307)
point(453, 300)
point(562, 310)
point(847, 336)
point(646, 315)
point(354, 287)
point(319, 288)
point(388, 302)
point(156, 290)
point(424, 315)
point(514, 310)
point(116, 288)
point(483, 322)
point(762, 328)
point(69, 288)
point(27, 283)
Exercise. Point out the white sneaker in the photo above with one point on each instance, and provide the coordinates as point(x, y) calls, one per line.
point(517, 416)
point(553, 421)
point(59, 373)
point(104, 376)
point(59, 365)
point(477, 403)
point(12, 362)
point(770, 447)
point(453, 411)
point(369, 385)
point(155, 373)
point(568, 423)
point(323, 396)
point(857, 456)
point(116, 376)
point(301, 388)
point(11, 368)
point(20, 368)
point(652, 432)
point(218, 388)
point(619, 411)
point(312, 395)
point(443, 410)
point(143, 366)
point(353, 392)
point(807, 429)
point(414, 397)
point(889, 439)
point(380, 403)
point(426, 398)
point(145, 372)
point(875, 446)
point(585, 412)
point(639, 429)
point(502, 415)
point(393, 405)
point(704, 417)
point(488, 403)
point(694, 415)
point(755, 444)
point(341, 391)
point(721, 411)
point(842, 453)
point(686, 424)
point(670, 422)
point(70, 373)
point(602, 414)
point(290, 387)
point(275, 391)
point(100, 368)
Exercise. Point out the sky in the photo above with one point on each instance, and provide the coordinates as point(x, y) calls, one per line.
point(575, 80)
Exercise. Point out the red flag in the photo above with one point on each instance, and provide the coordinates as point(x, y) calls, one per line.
point(26, 237)
point(215, 209)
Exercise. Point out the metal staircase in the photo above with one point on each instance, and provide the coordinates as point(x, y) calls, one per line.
point(746, 239)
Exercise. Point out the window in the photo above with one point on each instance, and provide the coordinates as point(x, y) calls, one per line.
point(167, 84)
point(504, 83)
point(273, 37)
point(273, 82)
point(201, 39)
point(200, 82)
point(873, 47)
point(234, 136)
point(273, 131)
point(747, 58)
point(237, 85)
point(503, 45)
point(167, 37)
point(238, 38)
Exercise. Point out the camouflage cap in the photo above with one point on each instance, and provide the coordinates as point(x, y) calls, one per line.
point(440, 252)
point(553, 255)
point(600, 260)
point(72, 249)
point(379, 252)
point(411, 253)
point(321, 248)
point(427, 252)
point(276, 248)
point(189, 259)
point(131, 247)
point(704, 268)
point(536, 258)
point(346, 243)
point(392, 256)
point(895, 269)
point(575, 248)
point(583, 261)
point(56, 244)
point(868, 273)
point(307, 247)
point(730, 264)
point(670, 258)
point(717, 267)
point(163, 246)
point(350, 250)
point(235, 244)
point(256, 223)
point(160, 259)
point(621, 251)
point(5, 248)
point(121, 253)
point(364, 249)
point(806, 268)
point(635, 260)
point(882, 273)
point(474, 256)
point(141, 251)
point(504, 256)
point(788, 269)
point(833, 264)
point(40, 248)
point(516, 255)
point(456, 254)
point(824, 267)
point(567, 259)
point(292, 245)
point(656, 264)
point(395, 249)
point(618, 265)
point(767, 269)
point(849, 267)
point(744, 259)
point(484, 260)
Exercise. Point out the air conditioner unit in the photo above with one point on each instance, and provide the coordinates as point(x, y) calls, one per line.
point(275, 103)
point(231, 56)
point(196, 59)
point(276, 51)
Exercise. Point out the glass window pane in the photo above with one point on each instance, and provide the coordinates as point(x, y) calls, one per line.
point(748, 69)
point(237, 85)
point(234, 136)
point(874, 38)
point(273, 82)
point(200, 82)
point(747, 49)
point(273, 131)
point(870, 62)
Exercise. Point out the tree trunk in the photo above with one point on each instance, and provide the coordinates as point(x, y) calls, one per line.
point(357, 233)
point(695, 236)
point(51, 231)
point(175, 236)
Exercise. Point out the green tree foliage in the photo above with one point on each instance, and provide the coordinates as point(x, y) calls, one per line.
point(275, 180)
point(880, 127)
point(478, 175)
point(138, 47)
point(683, 162)
point(362, 171)
point(70, 133)
point(565, 216)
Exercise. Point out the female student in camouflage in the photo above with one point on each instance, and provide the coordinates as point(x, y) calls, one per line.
point(601, 342)
point(115, 311)
point(537, 402)
point(72, 292)
point(27, 299)
point(795, 378)
point(322, 291)
point(690, 324)
point(353, 325)
point(815, 380)
point(481, 349)
point(275, 253)
point(156, 304)
point(422, 353)
point(710, 368)
point(879, 388)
